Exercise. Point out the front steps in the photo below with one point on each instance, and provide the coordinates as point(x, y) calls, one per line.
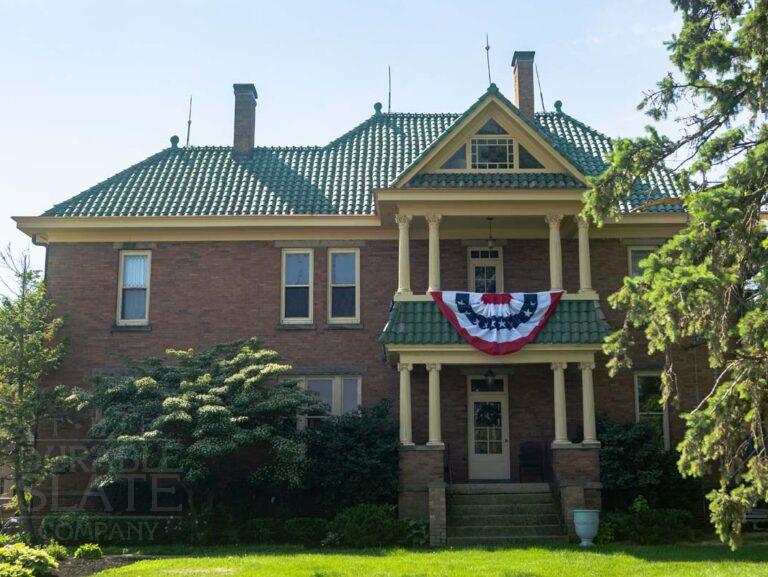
point(503, 513)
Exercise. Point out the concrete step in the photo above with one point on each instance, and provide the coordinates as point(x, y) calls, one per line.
point(455, 509)
point(499, 541)
point(509, 532)
point(500, 498)
point(502, 520)
point(491, 488)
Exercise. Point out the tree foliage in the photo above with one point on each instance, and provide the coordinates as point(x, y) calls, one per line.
point(707, 286)
point(198, 414)
point(30, 349)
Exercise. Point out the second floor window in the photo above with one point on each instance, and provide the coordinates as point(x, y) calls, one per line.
point(344, 285)
point(297, 286)
point(133, 282)
point(485, 270)
point(637, 254)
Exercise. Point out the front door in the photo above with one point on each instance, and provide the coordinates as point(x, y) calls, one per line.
point(488, 417)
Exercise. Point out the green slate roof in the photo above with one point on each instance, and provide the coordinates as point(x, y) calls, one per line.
point(422, 323)
point(494, 180)
point(336, 179)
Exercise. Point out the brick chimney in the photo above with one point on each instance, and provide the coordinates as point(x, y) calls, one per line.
point(245, 119)
point(522, 62)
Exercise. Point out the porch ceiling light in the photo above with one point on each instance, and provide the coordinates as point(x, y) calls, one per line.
point(491, 240)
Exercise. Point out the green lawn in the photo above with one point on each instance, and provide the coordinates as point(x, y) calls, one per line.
point(565, 561)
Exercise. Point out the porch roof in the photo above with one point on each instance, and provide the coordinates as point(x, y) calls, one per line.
point(422, 323)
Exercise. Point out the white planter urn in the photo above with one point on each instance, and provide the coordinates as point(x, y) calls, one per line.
point(587, 522)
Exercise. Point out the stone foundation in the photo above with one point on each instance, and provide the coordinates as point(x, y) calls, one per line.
point(576, 479)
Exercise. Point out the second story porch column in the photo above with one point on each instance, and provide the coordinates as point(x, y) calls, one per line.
point(404, 254)
point(433, 221)
point(435, 428)
point(561, 420)
point(555, 252)
point(406, 434)
point(585, 266)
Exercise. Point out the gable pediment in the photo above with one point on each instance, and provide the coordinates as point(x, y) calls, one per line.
point(491, 138)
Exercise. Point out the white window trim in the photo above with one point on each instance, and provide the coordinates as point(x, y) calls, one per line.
point(343, 320)
point(498, 262)
point(311, 287)
point(637, 247)
point(337, 403)
point(664, 411)
point(120, 272)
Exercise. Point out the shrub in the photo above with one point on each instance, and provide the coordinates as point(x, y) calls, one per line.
point(646, 526)
point(344, 454)
point(9, 538)
point(78, 527)
point(8, 570)
point(369, 526)
point(263, 530)
point(633, 463)
point(88, 551)
point(305, 530)
point(37, 561)
point(416, 532)
point(57, 551)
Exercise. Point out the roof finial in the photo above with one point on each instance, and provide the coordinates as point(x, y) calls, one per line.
point(377, 108)
point(488, 59)
point(174, 141)
point(559, 105)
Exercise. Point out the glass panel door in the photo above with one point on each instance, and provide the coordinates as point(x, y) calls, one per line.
point(488, 428)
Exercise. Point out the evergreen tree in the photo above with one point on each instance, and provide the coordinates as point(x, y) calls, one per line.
point(707, 285)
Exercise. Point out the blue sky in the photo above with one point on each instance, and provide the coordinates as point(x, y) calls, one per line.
point(89, 88)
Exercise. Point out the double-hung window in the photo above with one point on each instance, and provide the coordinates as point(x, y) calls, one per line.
point(344, 285)
point(296, 298)
point(486, 270)
point(648, 405)
point(133, 283)
point(637, 254)
point(340, 394)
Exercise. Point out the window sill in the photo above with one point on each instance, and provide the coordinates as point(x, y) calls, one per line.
point(296, 327)
point(131, 328)
point(343, 326)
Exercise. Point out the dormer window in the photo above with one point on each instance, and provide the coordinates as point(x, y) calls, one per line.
point(492, 148)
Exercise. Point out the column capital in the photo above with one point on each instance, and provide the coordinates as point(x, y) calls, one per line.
point(553, 219)
point(433, 219)
point(404, 367)
point(433, 366)
point(403, 220)
point(558, 366)
point(587, 365)
point(580, 221)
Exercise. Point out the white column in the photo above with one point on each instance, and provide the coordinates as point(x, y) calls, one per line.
point(588, 402)
point(435, 433)
point(404, 254)
point(585, 266)
point(433, 221)
point(406, 433)
point(555, 252)
point(561, 421)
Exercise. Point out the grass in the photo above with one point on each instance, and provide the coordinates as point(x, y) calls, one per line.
point(564, 561)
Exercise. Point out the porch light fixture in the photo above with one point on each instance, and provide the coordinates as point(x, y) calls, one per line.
point(491, 240)
point(490, 376)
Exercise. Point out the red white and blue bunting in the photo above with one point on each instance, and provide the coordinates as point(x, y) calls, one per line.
point(497, 323)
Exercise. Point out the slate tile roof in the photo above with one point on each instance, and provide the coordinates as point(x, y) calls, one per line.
point(336, 179)
point(422, 323)
point(494, 180)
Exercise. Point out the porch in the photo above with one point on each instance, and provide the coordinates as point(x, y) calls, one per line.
point(468, 418)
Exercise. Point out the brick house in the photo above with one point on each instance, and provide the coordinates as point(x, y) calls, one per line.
point(329, 254)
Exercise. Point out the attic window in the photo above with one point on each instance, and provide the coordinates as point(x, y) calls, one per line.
point(526, 159)
point(493, 153)
point(492, 127)
point(458, 160)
